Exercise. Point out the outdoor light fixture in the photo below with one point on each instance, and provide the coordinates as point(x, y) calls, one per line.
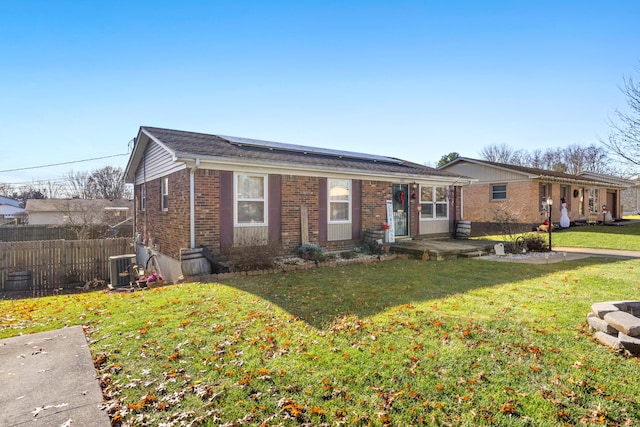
point(550, 205)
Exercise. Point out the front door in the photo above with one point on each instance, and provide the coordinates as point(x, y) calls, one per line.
point(612, 204)
point(401, 209)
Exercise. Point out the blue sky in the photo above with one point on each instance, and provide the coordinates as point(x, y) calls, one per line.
point(409, 79)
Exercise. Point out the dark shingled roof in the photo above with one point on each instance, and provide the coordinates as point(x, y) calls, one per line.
point(537, 171)
point(542, 173)
point(194, 144)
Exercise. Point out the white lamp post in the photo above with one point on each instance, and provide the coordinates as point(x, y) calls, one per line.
point(550, 205)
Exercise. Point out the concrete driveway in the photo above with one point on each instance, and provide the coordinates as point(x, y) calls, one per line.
point(48, 379)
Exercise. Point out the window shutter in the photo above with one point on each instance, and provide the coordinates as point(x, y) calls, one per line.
point(226, 209)
point(356, 208)
point(322, 210)
point(273, 200)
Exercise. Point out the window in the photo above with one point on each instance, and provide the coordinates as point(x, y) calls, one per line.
point(433, 202)
point(593, 200)
point(339, 200)
point(165, 193)
point(251, 201)
point(545, 192)
point(143, 197)
point(499, 192)
point(565, 194)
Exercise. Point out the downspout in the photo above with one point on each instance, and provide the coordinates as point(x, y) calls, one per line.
point(192, 203)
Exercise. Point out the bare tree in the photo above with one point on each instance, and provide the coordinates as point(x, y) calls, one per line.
point(553, 159)
point(595, 159)
point(81, 216)
point(78, 185)
point(572, 159)
point(6, 190)
point(108, 183)
point(28, 191)
point(624, 140)
point(502, 154)
point(534, 159)
point(52, 189)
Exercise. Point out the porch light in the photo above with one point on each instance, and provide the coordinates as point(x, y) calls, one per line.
point(550, 205)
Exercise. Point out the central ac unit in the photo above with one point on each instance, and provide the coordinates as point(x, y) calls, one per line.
point(121, 270)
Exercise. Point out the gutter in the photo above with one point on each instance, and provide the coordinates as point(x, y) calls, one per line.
point(232, 164)
point(192, 202)
point(585, 182)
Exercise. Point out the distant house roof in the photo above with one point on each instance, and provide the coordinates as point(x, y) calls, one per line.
point(624, 182)
point(541, 174)
point(9, 211)
point(10, 202)
point(192, 146)
point(74, 205)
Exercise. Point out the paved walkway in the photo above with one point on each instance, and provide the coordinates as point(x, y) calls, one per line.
point(599, 252)
point(48, 379)
point(561, 254)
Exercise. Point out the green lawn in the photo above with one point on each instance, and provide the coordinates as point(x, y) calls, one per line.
point(626, 237)
point(403, 342)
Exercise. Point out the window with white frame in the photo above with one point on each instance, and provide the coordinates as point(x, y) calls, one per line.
point(593, 200)
point(143, 197)
point(339, 200)
point(498, 192)
point(544, 192)
point(250, 199)
point(165, 193)
point(433, 202)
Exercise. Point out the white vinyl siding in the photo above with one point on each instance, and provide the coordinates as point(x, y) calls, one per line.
point(156, 163)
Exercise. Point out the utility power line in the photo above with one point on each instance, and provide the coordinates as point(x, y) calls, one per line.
point(63, 163)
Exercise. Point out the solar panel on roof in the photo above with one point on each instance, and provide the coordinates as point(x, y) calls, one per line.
point(303, 149)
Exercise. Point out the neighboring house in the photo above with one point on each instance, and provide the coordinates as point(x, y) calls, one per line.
point(630, 194)
point(520, 193)
point(10, 210)
point(194, 190)
point(78, 212)
point(631, 197)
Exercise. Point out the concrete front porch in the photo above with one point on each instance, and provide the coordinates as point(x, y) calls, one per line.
point(440, 249)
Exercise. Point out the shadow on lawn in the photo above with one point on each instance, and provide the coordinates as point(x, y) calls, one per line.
point(320, 296)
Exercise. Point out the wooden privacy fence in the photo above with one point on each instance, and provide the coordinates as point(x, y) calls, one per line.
point(56, 263)
point(24, 233)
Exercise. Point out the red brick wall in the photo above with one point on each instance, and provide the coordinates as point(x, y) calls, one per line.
point(207, 218)
point(170, 228)
point(374, 208)
point(523, 201)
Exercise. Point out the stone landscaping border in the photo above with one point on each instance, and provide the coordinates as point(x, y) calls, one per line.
point(295, 267)
point(617, 325)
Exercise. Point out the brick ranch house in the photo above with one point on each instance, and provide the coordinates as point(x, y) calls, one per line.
point(521, 193)
point(197, 190)
point(630, 194)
